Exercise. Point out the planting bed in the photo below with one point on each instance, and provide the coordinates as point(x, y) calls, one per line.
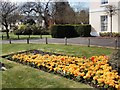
point(94, 71)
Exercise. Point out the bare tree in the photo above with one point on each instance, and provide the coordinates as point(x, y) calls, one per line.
point(27, 7)
point(82, 17)
point(7, 9)
point(110, 10)
point(43, 11)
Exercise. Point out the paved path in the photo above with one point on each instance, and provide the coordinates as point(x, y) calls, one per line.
point(108, 42)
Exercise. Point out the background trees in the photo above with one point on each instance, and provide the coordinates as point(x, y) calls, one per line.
point(63, 13)
point(37, 9)
point(44, 14)
point(7, 13)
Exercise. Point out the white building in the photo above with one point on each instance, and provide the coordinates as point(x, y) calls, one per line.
point(100, 21)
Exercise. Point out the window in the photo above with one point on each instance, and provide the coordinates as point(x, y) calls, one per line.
point(104, 1)
point(104, 23)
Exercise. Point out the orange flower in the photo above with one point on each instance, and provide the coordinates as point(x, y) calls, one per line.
point(92, 58)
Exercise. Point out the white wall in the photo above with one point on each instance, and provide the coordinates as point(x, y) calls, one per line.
point(96, 10)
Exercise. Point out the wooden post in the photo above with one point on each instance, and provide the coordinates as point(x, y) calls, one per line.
point(29, 36)
point(46, 40)
point(9, 41)
point(65, 41)
point(27, 40)
point(18, 37)
point(89, 42)
point(40, 36)
point(115, 43)
point(2, 37)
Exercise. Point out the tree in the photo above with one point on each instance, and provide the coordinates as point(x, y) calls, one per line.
point(26, 8)
point(63, 13)
point(30, 22)
point(110, 10)
point(7, 10)
point(40, 9)
point(82, 16)
point(43, 11)
point(81, 12)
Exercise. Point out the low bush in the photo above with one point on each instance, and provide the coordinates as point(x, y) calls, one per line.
point(23, 30)
point(108, 34)
point(30, 30)
point(36, 30)
point(69, 31)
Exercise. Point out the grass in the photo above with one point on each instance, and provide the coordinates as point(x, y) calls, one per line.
point(21, 76)
point(15, 37)
point(74, 50)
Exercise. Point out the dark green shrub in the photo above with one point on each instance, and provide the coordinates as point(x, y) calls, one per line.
point(69, 31)
point(18, 32)
point(83, 30)
point(27, 31)
point(61, 31)
point(45, 32)
point(36, 30)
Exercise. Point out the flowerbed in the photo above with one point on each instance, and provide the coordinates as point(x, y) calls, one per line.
point(95, 70)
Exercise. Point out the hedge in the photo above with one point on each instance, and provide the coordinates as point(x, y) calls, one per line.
point(108, 34)
point(69, 31)
point(83, 30)
point(61, 31)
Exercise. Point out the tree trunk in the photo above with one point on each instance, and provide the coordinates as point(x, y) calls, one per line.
point(7, 31)
point(46, 24)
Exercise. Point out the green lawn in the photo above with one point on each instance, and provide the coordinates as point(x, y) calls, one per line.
point(15, 37)
point(21, 76)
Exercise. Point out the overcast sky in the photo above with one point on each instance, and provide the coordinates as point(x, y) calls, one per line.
point(73, 3)
point(47, 0)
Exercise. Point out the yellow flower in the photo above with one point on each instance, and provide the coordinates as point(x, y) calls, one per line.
point(116, 86)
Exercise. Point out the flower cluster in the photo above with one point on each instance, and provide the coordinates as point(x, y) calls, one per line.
point(95, 69)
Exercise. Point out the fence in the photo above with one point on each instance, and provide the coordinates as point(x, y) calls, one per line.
point(110, 42)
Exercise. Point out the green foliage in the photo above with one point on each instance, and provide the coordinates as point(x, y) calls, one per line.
point(36, 30)
point(61, 31)
point(22, 26)
point(83, 30)
point(108, 34)
point(73, 50)
point(23, 30)
point(30, 30)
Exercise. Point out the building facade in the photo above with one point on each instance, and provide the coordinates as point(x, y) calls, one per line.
point(101, 20)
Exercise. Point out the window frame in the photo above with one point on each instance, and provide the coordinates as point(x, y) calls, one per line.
point(104, 23)
point(104, 2)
